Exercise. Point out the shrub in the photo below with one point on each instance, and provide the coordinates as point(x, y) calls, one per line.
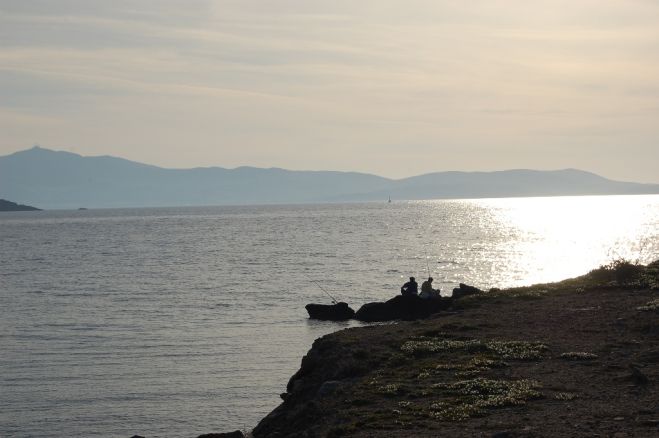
point(621, 271)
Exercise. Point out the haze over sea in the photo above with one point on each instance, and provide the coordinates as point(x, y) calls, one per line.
point(174, 322)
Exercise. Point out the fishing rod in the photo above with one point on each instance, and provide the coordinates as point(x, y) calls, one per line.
point(427, 263)
point(428, 266)
point(323, 289)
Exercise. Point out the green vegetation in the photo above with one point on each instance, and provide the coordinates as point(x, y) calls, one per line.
point(469, 390)
point(443, 376)
point(517, 350)
point(623, 273)
point(391, 389)
point(578, 355)
point(619, 273)
point(472, 397)
point(652, 306)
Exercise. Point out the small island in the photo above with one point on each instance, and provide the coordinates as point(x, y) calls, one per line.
point(12, 206)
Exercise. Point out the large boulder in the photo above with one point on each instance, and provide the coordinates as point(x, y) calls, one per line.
point(402, 307)
point(235, 434)
point(327, 312)
point(465, 290)
point(372, 312)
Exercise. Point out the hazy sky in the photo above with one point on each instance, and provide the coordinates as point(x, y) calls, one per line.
point(395, 88)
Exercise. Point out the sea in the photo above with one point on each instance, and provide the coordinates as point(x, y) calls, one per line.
point(173, 322)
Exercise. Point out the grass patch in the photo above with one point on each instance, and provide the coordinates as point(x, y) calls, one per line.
point(515, 350)
point(469, 373)
point(652, 306)
point(424, 346)
point(518, 350)
point(529, 292)
point(389, 390)
point(474, 397)
point(578, 355)
point(565, 396)
point(486, 362)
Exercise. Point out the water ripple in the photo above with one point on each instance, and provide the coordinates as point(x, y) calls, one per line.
point(176, 322)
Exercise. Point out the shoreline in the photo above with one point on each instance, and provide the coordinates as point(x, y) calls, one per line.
point(576, 357)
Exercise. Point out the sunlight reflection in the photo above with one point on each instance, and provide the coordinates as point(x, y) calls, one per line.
point(564, 237)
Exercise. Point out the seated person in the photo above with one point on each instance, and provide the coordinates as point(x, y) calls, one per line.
point(427, 292)
point(410, 288)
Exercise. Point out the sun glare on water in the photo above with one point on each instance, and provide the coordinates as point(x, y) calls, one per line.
point(564, 237)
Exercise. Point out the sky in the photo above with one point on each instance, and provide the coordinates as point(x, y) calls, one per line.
point(394, 88)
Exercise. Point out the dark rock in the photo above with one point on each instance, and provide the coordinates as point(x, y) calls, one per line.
point(465, 290)
point(377, 311)
point(282, 422)
point(294, 385)
point(330, 312)
point(637, 377)
point(328, 388)
point(137, 436)
point(313, 371)
point(402, 307)
point(650, 356)
point(234, 434)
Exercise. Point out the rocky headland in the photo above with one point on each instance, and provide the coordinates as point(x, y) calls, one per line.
point(574, 358)
point(12, 206)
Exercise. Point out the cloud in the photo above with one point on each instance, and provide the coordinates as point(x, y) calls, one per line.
point(187, 12)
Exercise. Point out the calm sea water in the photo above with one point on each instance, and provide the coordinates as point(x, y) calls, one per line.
point(177, 322)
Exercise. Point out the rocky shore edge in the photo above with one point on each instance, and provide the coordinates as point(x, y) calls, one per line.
point(574, 358)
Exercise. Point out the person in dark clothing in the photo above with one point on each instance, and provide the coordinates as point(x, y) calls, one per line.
point(427, 292)
point(410, 288)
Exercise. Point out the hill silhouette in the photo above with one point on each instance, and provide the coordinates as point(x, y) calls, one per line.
point(12, 206)
point(56, 179)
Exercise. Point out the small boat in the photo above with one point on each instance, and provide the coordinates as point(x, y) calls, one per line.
point(330, 312)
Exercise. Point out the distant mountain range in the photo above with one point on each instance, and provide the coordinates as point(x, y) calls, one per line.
point(53, 179)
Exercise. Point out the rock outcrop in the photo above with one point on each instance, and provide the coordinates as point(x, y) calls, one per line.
point(491, 369)
point(402, 307)
point(234, 434)
point(12, 206)
point(465, 290)
point(327, 312)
